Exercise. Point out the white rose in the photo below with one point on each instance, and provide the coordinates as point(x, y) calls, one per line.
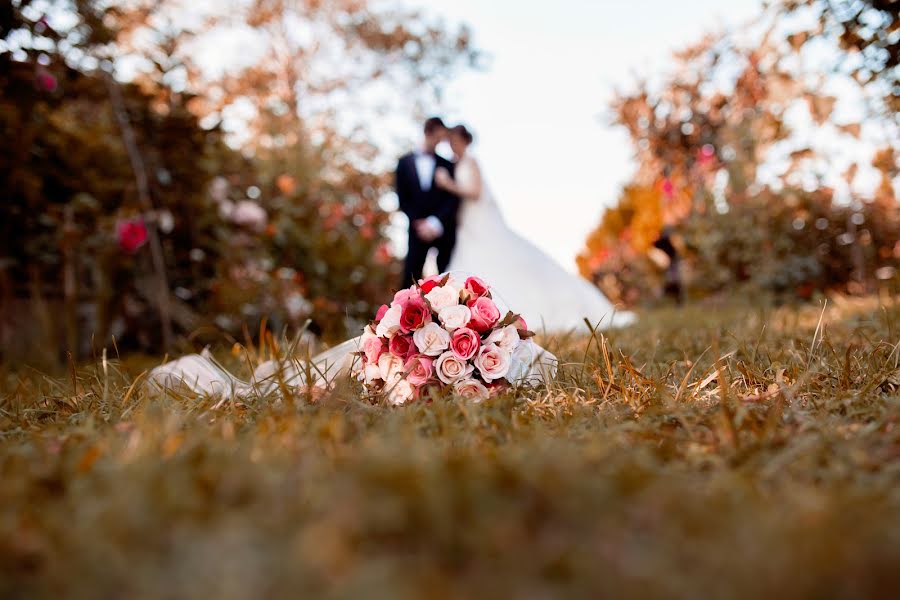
point(400, 393)
point(454, 317)
point(432, 339)
point(472, 389)
point(521, 362)
point(367, 334)
point(492, 362)
point(442, 297)
point(370, 374)
point(450, 368)
point(390, 367)
point(390, 322)
point(505, 337)
point(455, 280)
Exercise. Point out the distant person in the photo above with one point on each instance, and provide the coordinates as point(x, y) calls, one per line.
point(432, 210)
point(672, 285)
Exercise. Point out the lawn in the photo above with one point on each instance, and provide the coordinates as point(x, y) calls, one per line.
point(719, 450)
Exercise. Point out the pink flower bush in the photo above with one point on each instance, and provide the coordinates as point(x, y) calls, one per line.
point(444, 336)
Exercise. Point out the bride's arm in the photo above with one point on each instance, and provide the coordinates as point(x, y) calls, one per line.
point(467, 183)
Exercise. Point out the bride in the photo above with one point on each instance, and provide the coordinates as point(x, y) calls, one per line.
point(549, 298)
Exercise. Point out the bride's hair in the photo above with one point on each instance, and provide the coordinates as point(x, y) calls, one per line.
point(463, 132)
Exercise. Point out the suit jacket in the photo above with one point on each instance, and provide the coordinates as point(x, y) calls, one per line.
point(418, 203)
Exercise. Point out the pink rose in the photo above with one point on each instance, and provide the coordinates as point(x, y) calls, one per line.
point(450, 368)
point(521, 324)
point(484, 314)
point(493, 362)
point(476, 287)
point(381, 312)
point(419, 369)
point(465, 343)
point(404, 296)
point(402, 346)
point(428, 284)
point(372, 347)
point(415, 313)
point(471, 389)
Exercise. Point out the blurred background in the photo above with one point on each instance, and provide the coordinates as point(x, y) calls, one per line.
point(179, 172)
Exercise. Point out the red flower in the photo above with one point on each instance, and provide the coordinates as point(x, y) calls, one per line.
point(402, 346)
point(426, 285)
point(132, 235)
point(46, 81)
point(476, 287)
point(415, 314)
point(668, 188)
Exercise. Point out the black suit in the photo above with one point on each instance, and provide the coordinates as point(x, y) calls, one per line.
point(420, 204)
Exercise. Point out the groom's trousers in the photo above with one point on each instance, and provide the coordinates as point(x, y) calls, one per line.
point(418, 252)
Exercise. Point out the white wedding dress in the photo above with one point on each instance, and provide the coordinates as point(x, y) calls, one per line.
point(546, 295)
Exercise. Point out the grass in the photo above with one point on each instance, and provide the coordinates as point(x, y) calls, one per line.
point(719, 451)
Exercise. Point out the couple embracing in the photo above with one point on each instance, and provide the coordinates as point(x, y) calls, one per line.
point(451, 209)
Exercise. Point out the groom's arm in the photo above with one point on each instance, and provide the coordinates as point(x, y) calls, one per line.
point(448, 209)
point(401, 188)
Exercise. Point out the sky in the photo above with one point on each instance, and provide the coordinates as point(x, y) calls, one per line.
point(539, 109)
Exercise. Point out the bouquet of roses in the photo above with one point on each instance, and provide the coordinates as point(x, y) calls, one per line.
point(447, 334)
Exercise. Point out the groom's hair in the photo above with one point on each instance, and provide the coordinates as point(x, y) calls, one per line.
point(433, 124)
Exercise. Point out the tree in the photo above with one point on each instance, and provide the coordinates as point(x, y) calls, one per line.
point(702, 138)
point(869, 33)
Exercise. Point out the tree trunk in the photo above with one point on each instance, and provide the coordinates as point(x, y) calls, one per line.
point(70, 282)
point(143, 189)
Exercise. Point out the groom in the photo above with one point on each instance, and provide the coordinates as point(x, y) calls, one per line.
point(431, 210)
